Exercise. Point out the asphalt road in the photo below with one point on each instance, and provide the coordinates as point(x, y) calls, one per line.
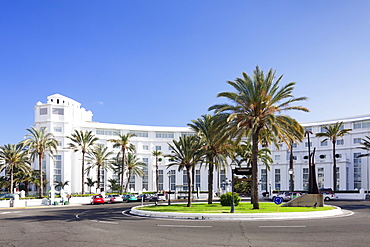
point(108, 225)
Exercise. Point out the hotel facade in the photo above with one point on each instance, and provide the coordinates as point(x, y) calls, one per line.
point(61, 116)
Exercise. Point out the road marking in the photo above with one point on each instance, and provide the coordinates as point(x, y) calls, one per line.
point(5, 213)
point(104, 222)
point(282, 226)
point(182, 226)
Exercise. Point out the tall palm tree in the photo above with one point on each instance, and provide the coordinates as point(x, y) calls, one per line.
point(256, 107)
point(90, 183)
point(100, 157)
point(15, 157)
point(211, 130)
point(40, 143)
point(134, 167)
point(333, 132)
point(82, 141)
point(123, 142)
point(186, 153)
point(157, 153)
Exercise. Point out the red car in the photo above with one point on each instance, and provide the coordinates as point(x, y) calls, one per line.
point(97, 199)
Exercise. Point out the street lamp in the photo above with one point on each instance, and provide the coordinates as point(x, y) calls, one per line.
point(169, 187)
point(291, 181)
point(233, 165)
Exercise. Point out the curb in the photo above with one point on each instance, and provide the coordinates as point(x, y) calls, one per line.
point(235, 216)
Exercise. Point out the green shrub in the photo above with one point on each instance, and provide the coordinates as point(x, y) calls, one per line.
point(226, 199)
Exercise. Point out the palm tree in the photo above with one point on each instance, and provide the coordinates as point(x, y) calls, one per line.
point(123, 142)
point(134, 167)
point(256, 107)
point(15, 157)
point(332, 132)
point(100, 157)
point(40, 143)
point(61, 184)
point(186, 153)
point(157, 153)
point(211, 130)
point(83, 141)
point(90, 183)
point(114, 186)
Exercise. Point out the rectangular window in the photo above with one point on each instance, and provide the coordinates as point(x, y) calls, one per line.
point(158, 148)
point(357, 171)
point(308, 129)
point(184, 180)
point(140, 133)
point(59, 144)
point(107, 132)
point(58, 129)
point(306, 144)
point(169, 148)
point(197, 179)
point(340, 142)
point(131, 185)
point(164, 135)
point(324, 143)
point(294, 157)
point(320, 178)
point(58, 111)
point(145, 147)
point(305, 178)
point(187, 134)
point(102, 178)
point(160, 179)
point(277, 179)
point(295, 145)
point(365, 124)
point(173, 179)
point(222, 176)
point(145, 178)
point(58, 168)
point(277, 157)
point(263, 179)
point(43, 111)
point(356, 140)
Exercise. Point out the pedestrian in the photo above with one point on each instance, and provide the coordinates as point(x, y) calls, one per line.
point(68, 197)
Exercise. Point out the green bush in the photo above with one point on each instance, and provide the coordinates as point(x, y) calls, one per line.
point(226, 199)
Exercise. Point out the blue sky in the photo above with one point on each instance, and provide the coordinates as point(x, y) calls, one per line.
point(163, 62)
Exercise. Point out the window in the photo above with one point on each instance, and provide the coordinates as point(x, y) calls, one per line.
point(145, 170)
point(306, 144)
point(324, 143)
point(338, 180)
point(164, 135)
point(277, 179)
point(295, 145)
point(197, 179)
point(58, 111)
point(184, 180)
point(169, 148)
point(277, 157)
point(356, 171)
point(173, 179)
point(58, 129)
point(140, 133)
point(43, 111)
point(305, 178)
point(263, 179)
point(356, 140)
point(59, 144)
point(294, 157)
point(58, 168)
point(158, 148)
point(160, 179)
point(361, 124)
point(131, 185)
point(340, 142)
point(320, 177)
point(145, 147)
point(187, 134)
point(308, 129)
point(107, 132)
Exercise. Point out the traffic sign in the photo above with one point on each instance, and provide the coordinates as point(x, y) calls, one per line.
point(278, 200)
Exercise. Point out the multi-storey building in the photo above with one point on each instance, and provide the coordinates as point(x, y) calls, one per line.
point(62, 115)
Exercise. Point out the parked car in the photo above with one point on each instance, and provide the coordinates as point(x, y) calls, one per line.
point(285, 196)
point(294, 195)
point(97, 199)
point(114, 198)
point(328, 196)
point(130, 198)
point(7, 196)
point(143, 197)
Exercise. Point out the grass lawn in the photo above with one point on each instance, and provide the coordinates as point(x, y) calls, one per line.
point(241, 208)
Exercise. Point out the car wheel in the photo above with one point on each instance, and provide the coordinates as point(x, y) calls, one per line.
point(327, 198)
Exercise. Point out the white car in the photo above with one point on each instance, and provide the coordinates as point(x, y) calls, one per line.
point(114, 198)
point(328, 196)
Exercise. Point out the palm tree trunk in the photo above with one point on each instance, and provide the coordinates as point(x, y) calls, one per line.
point(11, 181)
point(98, 184)
point(156, 173)
point(192, 179)
point(254, 195)
point(190, 185)
point(210, 181)
point(83, 173)
point(122, 169)
point(128, 180)
point(41, 177)
point(334, 168)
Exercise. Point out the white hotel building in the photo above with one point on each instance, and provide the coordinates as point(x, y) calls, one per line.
point(62, 115)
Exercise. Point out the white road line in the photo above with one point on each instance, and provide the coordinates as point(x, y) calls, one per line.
point(5, 213)
point(282, 226)
point(104, 222)
point(181, 226)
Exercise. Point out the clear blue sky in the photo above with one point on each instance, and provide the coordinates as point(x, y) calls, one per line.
point(163, 62)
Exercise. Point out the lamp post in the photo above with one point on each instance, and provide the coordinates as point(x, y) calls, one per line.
point(291, 181)
point(169, 187)
point(233, 165)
